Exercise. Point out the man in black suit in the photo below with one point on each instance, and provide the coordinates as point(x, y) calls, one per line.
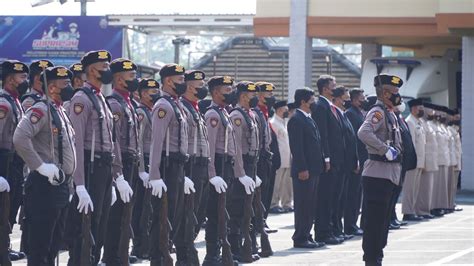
point(355, 114)
point(351, 162)
point(332, 142)
point(306, 167)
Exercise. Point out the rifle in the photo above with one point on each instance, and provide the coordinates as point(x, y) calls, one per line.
point(145, 223)
point(246, 251)
point(87, 237)
point(222, 215)
point(260, 211)
point(126, 230)
point(165, 226)
point(190, 219)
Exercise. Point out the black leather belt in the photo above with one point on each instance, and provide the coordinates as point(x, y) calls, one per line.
point(201, 161)
point(229, 159)
point(176, 156)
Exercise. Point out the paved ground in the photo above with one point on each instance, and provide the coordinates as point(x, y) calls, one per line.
point(444, 241)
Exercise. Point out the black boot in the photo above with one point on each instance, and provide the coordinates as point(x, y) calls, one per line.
point(212, 255)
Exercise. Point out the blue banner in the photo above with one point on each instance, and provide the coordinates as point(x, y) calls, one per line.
point(62, 40)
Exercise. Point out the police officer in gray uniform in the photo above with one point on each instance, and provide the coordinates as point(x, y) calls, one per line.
point(93, 123)
point(381, 134)
point(44, 139)
point(14, 84)
point(148, 91)
point(125, 166)
point(195, 168)
point(169, 153)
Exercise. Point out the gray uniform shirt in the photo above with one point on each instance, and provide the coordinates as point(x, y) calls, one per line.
point(216, 134)
point(164, 119)
point(375, 133)
point(196, 130)
point(144, 134)
point(125, 123)
point(85, 121)
point(246, 134)
point(35, 134)
point(8, 120)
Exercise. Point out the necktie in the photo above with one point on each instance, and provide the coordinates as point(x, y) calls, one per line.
point(334, 112)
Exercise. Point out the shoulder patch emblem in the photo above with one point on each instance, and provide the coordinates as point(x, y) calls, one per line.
point(3, 111)
point(376, 117)
point(161, 113)
point(140, 117)
point(34, 118)
point(116, 116)
point(78, 108)
point(238, 122)
point(214, 122)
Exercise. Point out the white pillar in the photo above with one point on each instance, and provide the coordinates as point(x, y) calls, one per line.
point(300, 50)
point(467, 92)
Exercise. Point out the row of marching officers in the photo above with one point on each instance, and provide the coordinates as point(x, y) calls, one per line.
point(146, 163)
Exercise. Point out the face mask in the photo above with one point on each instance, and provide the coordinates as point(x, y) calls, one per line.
point(364, 105)
point(270, 101)
point(132, 85)
point(456, 122)
point(442, 119)
point(286, 114)
point(67, 93)
point(22, 88)
point(154, 97)
point(106, 76)
point(253, 102)
point(421, 113)
point(201, 93)
point(179, 88)
point(430, 117)
point(347, 104)
point(395, 99)
point(229, 98)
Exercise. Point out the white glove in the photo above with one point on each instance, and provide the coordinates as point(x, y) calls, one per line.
point(391, 154)
point(4, 186)
point(124, 189)
point(219, 184)
point(158, 186)
point(145, 177)
point(248, 183)
point(50, 171)
point(114, 196)
point(258, 181)
point(188, 186)
point(85, 201)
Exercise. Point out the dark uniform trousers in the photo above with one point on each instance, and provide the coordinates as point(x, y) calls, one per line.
point(200, 178)
point(236, 204)
point(99, 186)
point(264, 169)
point(116, 222)
point(11, 168)
point(338, 201)
point(351, 209)
point(377, 198)
point(224, 169)
point(174, 180)
point(325, 202)
point(44, 205)
point(396, 193)
point(305, 193)
point(201, 184)
point(141, 232)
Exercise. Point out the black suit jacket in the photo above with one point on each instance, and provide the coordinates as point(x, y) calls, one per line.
point(330, 128)
point(357, 118)
point(350, 142)
point(305, 145)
